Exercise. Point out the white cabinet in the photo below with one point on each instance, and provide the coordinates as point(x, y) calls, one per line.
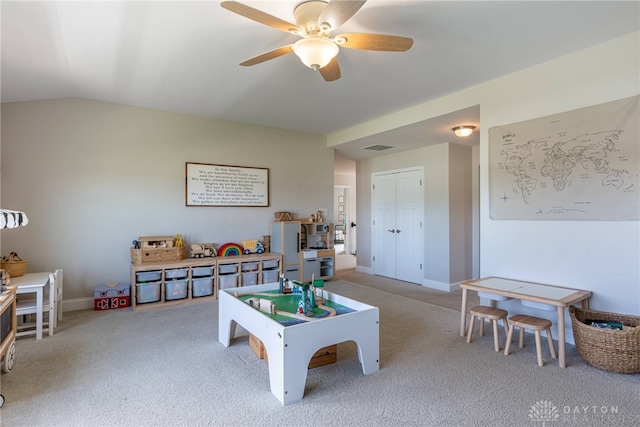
point(318, 264)
point(310, 269)
point(298, 264)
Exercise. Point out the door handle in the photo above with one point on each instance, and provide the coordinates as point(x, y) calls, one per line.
point(397, 231)
point(392, 230)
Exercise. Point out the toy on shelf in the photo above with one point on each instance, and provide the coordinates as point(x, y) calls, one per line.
point(201, 250)
point(156, 249)
point(230, 249)
point(252, 246)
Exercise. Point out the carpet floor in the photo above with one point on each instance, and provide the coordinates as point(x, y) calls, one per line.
point(165, 367)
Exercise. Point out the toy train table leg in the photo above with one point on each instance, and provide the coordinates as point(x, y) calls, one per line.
point(9, 358)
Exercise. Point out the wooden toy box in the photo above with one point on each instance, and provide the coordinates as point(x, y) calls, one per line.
point(155, 249)
point(324, 356)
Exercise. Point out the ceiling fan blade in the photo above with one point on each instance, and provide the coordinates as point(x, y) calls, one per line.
point(331, 71)
point(268, 55)
point(381, 42)
point(259, 16)
point(338, 12)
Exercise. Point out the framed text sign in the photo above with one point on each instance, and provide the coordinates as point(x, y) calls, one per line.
point(222, 185)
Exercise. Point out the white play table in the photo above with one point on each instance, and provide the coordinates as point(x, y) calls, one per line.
point(290, 348)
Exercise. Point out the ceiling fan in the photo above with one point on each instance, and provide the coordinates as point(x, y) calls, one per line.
point(315, 21)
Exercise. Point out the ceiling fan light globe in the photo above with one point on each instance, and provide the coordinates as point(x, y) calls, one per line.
point(315, 52)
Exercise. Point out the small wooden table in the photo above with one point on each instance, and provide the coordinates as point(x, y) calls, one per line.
point(557, 296)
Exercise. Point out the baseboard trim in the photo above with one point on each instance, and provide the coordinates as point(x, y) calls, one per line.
point(76, 304)
point(365, 270)
point(440, 286)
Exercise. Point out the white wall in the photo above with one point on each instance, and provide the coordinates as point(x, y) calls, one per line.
point(94, 176)
point(599, 256)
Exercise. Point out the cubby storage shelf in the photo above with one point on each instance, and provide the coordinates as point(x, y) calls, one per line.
point(198, 274)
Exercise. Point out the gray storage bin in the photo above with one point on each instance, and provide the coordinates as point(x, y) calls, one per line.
point(249, 279)
point(176, 273)
point(202, 287)
point(202, 271)
point(228, 268)
point(147, 292)
point(228, 281)
point(270, 263)
point(249, 266)
point(175, 289)
point(148, 276)
point(270, 276)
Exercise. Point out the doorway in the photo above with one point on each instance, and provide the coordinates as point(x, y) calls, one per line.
point(397, 234)
point(343, 233)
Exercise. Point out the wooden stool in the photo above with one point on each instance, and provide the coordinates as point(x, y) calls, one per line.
point(490, 313)
point(535, 324)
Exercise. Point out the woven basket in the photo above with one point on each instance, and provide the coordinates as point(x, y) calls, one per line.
point(15, 268)
point(615, 351)
point(283, 216)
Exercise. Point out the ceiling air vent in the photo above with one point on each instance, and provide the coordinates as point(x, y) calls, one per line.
point(377, 147)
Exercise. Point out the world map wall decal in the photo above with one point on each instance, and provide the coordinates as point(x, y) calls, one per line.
point(577, 165)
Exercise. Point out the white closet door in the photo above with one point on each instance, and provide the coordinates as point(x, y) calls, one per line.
point(397, 225)
point(384, 225)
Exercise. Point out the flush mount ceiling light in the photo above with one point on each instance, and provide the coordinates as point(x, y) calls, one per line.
point(463, 131)
point(315, 52)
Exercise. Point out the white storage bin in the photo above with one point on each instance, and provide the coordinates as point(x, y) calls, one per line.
point(176, 273)
point(147, 292)
point(148, 276)
point(249, 266)
point(202, 287)
point(270, 263)
point(249, 279)
point(228, 268)
point(202, 271)
point(228, 281)
point(175, 289)
point(270, 276)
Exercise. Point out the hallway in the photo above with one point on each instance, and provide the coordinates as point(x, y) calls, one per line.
point(344, 261)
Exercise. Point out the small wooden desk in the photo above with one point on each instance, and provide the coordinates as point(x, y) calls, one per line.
point(557, 296)
point(33, 283)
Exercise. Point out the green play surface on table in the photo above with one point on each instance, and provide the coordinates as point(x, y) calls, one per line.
point(289, 303)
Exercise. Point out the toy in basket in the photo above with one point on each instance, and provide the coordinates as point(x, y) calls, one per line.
point(13, 264)
point(616, 350)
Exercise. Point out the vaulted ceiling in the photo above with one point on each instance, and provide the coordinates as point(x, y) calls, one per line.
point(183, 57)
